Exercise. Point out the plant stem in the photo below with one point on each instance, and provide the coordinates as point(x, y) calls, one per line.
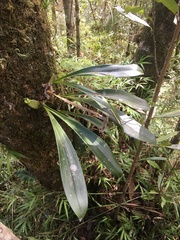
point(149, 117)
point(96, 114)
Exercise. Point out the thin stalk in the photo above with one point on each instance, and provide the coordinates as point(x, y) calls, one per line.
point(148, 120)
point(96, 114)
point(154, 41)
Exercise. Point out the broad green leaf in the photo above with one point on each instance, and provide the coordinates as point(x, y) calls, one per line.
point(126, 98)
point(131, 16)
point(130, 70)
point(71, 172)
point(97, 145)
point(175, 113)
point(170, 4)
point(130, 126)
point(175, 146)
point(134, 9)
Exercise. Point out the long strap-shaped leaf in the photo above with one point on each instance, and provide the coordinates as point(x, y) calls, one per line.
point(126, 98)
point(114, 94)
point(71, 172)
point(133, 128)
point(98, 98)
point(175, 113)
point(102, 125)
point(130, 126)
point(97, 145)
point(130, 70)
point(131, 16)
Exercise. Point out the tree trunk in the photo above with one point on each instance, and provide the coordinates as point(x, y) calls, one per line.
point(69, 18)
point(54, 18)
point(78, 43)
point(176, 138)
point(155, 43)
point(26, 61)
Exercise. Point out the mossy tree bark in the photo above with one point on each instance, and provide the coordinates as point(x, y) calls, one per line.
point(26, 61)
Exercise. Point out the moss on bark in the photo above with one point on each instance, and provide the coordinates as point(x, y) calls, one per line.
point(26, 61)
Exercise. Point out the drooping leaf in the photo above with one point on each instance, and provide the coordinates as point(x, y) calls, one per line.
point(98, 98)
point(131, 16)
point(126, 98)
point(135, 129)
point(170, 4)
point(174, 146)
point(130, 126)
point(101, 124)
point(175, 113)
point(95, 121)
point(130, 70)
point(97, 145)
point(71, 172)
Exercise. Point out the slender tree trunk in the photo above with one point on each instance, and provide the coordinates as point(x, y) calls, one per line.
point(154, 43)
point(78, 44)
point(176, 138)
point(26, 62)
point(69, 18)
point(54, 18)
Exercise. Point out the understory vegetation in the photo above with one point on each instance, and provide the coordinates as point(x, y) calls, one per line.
point(153, 210)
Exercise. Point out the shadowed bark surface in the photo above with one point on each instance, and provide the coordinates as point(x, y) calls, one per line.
point(163, 29)
point(26, 61)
